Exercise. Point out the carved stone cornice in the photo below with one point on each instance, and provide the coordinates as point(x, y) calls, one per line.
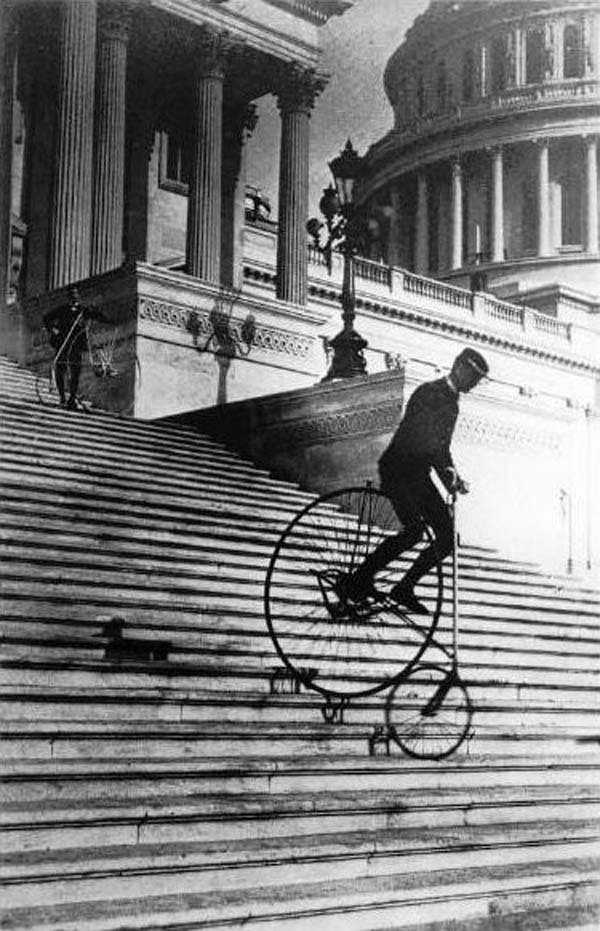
point(297, 88)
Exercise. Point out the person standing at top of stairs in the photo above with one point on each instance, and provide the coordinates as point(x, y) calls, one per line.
point(421, 442)
point(67, 334)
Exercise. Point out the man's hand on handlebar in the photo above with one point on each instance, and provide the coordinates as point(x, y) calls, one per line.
point(456, 484)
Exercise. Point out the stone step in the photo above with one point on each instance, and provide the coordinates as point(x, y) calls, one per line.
point(83, 509)
point(28, 866)
point(257, 810)
point(236, 632)
point(85, 456)
point(204, 871)
point(21, 528)
point(110, 705)
point(367, 900)
point(21, 544)
point(214, 676)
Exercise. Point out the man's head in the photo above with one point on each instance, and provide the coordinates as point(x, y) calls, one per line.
point(468, 369)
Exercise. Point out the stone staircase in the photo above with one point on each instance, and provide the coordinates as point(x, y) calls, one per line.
point(174, 790)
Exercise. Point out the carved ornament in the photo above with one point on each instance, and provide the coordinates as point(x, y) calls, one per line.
point(377, 419)
point(501, 434)
point(298, 88)
point(270, 339)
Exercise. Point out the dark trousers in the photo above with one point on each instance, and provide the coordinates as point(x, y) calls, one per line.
point(416, 502)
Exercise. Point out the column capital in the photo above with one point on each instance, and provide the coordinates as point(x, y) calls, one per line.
point(298, 87)
point(240, 122)
point(114, 20)
point(456, 164)
point(211, 50)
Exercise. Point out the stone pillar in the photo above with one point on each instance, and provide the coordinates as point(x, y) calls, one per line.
point(204, 204)
point(239, 126)
point(71, 221)
point(394, 245)
point(543, 237)
point(497, 237)
point(7, 53)
point(591, 195)
point(296, 96)
point(422, 226)
point(109, 155)
point(457, 215)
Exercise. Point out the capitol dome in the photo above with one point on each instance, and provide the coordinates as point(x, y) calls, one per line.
point(491, 168)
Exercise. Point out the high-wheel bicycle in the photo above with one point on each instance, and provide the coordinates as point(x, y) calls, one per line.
point(345, 647)
point(110, 373)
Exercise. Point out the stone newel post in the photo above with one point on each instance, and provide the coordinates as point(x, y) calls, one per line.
point(71, 221)
point(109, 156)
point(298, 91)
point(204, 206)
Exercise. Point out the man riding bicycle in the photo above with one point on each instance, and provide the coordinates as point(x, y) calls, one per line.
point(421, 442)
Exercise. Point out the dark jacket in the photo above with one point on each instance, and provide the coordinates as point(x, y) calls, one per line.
point(422, 440)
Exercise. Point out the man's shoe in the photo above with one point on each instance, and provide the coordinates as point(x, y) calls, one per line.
point(359, 586)
point(405, 596)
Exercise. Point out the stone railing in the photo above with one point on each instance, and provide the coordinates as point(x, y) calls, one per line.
point(525, 97)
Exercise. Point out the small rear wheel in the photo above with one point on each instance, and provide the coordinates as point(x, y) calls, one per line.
point(338, 644)
point(45, 388)
point(429, 712)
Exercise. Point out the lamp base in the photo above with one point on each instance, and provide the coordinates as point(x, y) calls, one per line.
point(348, 360)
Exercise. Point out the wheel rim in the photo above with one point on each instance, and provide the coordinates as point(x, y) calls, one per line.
point(331, 643)
point(427, 715)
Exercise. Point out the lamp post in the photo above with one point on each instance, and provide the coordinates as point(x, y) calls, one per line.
point(343, 234)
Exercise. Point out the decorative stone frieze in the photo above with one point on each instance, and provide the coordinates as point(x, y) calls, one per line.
point(501, 434)
point(270, 339)
point(344, 423)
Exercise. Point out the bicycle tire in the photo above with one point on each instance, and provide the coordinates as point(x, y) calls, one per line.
point(111, 376)
point(436, 733)
point(336, 646)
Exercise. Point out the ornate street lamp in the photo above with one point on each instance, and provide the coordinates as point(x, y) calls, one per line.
point(343, 234)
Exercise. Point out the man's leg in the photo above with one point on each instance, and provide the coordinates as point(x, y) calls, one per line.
point(436, 515)
point(403, 501)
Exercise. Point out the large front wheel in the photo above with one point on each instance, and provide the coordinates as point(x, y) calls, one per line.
point(340, 645)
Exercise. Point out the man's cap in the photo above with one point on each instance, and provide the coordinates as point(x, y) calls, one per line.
point(473, 359)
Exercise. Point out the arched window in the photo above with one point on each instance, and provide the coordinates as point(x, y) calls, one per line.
point(573, 51)
point(468, 76)
point(535, 51)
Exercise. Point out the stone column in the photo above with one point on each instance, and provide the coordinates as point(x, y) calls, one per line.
point(296, 96)
point(239, 126)
point(422, 226)
point(109, 155)
point(204, 204)
point(394, 245)
point(543, 237)
point(591, 194)
point(71, 221)
point(497, 230)
point(457, 215)
point(7, 53)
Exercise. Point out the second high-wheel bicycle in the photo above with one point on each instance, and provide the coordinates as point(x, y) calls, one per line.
point(344, 647)
point(107, 367)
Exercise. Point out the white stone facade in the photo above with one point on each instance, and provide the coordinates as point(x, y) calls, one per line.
point(491, 168)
